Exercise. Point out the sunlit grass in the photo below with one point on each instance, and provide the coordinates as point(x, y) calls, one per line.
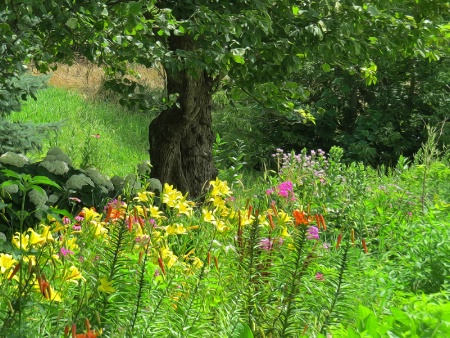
point(123, 140)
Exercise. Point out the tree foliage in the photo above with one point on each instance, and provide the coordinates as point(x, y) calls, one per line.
point(262, 47)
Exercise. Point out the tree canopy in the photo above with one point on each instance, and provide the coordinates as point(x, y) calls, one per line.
point(261, 47)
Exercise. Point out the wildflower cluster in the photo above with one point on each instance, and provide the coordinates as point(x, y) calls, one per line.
point(164, 235)
point(302, 168)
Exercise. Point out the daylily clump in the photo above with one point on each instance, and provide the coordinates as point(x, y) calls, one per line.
point(63, 255)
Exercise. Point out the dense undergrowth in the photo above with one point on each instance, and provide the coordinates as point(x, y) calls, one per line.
point(308, 247)
point(316, 248)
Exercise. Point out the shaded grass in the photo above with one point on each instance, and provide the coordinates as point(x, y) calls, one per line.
point(123, 140)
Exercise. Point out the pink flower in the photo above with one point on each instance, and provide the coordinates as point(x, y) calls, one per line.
point(266, 244)
point(75, 199)
point(313, 233)
point(66, 252)
point(285, 188)
point(76, 227)
point(319, 276)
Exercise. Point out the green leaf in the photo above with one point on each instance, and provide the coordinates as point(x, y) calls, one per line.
point(242, 330)
point(295, 10)
point(238, 59)
point(3, 205)
point(72, 23)
point(326, 68)
point(7, 184)
point(45, 180)
point(38, 188)
point(55, 212)
point(11, 173)
point(373, 11)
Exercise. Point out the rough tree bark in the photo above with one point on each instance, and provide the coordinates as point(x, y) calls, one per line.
point(181, 138)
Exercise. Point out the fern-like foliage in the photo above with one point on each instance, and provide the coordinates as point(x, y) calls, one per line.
point(296, 265)
point(24, 137)
point(340, 303)
point(114, 266)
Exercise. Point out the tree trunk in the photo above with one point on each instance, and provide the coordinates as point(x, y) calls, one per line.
point(181, 138)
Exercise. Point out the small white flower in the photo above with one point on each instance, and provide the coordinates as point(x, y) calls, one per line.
point(18, 160)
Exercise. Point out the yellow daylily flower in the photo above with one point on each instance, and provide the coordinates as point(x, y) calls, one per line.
point(220, 187)
point(105, 286)
point(6, 262)
point(145, 196)
point(218, 202)
point(221, 226)
point(284, 218)
point(172, 260)
point(46, 233)
point(246, 220)
point(30, 259)
point(70, 243)
point(90, 214)
point(175, 229)
point(21, 241)
point(73, 275)
point(208, 216)
point(285, 233)
point(35, 238)
point(167, 254)
point(262, 220)
point(54, 295)
point(196, 262)
point(184, 208)
point(99, 230)
point(154, 212)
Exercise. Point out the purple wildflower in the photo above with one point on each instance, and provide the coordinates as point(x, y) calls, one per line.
point(266, 244)
point(313, 232)
point(285, 188)
point(66, 252)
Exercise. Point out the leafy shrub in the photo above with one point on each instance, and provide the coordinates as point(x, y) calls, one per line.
point(78, 187)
